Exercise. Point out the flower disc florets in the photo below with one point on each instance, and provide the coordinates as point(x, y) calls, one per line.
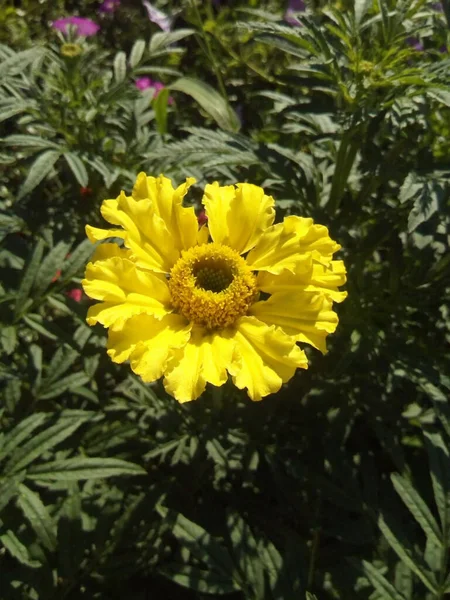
point(212, 286)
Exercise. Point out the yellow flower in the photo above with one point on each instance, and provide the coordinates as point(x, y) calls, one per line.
point(71, 50)
point(232, 297)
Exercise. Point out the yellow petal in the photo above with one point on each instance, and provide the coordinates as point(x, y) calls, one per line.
point(95, 234)
point(314, 239)
point(125, 290)
point(279, 249)
point(289, 244)
point(324, 279)
point(238, 216)
point(107, 250)
point(180, 221)
point(307, 317)
point(265, 358)
point(148, 343)
point(205, 358)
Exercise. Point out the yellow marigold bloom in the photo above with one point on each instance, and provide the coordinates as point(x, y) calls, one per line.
point(232, 297)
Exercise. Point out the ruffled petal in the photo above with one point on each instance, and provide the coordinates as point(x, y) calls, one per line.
point(180, 221)
point(289, 244)
point(95, 234)
point(279, 249)
point(238, 216)
point(265, 358)
point(125, 290)
point(324, 279)
point(148, 343)
point(306, 317)
point(205, 358)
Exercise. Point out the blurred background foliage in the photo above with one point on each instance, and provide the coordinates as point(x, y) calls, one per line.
point(338, 487)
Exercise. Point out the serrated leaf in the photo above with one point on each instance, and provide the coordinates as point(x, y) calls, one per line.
point(417, 507)
point(379, 582)
point(206, 582)
point(18, 62)
point(48, 268)
point(73, 469)
point(77, 167)
point(51, 389)
point(120, 66)
point(41, 167)
point(17, 550)
point(29, 276)
point(38, 516)
point(439, 459)
point(199, 542)
point(67, 423)
point(10, 110)
point(210, 100)
point(136, 53)
point(30, 141)
point(406, 553)
point(21, 432)
point(9, 487)
point(245, 549)
point(77, 260)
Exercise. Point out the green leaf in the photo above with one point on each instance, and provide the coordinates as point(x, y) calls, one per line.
point(199, 542)
point(18, 550)
point(406, 553)
point(206, 582)
point(29, 276)
point(210, 100)
point(21, 432)
point(41, 167)
point(161, 40)
point(245, 548)
point(8, 338)
point(417, 507)
point(120, 66)
point(160, 104)
point(439, 459)
point(30, 141)
point(67, 423)
point(361, 7)
point(51, 389)
point(77, 167)
point(73, 469)
point(77, 260)
point(136, 53)
point(18, 62)
point(13, 108)
point(9, 487)
point(379, 582)
point(37, 515)
point(49, 267)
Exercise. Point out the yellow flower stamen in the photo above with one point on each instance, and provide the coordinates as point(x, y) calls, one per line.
point(71, 50)
point(212, 286)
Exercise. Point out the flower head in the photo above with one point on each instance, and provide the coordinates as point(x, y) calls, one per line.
point(109, 6)
point(76, 294)
point(144, 83)
point(415, 43)
point(84, 27)
point(231, 297)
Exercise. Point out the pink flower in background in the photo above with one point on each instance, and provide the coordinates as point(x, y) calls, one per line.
point(84, 27)
point(144, 83)
point(294, 6)
point(76, 294)
point(158, 17)
point(109, 6)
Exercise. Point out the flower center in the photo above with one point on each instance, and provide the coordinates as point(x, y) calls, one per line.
point(212, 286)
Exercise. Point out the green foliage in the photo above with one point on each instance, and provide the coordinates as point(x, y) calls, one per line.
point(338, 487)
